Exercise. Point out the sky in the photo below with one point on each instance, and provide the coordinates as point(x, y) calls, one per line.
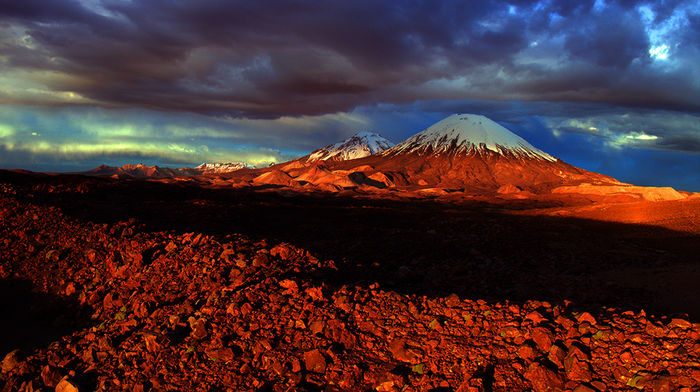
point(609, 86)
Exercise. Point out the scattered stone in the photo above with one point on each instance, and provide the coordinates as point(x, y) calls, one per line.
point(663, 384)
point(556, 355)
point(50, 375)
point(680, 323)
point(586, 317)
point(66, 385)
point(315, 361)
point(544, 379)
point(199, 328)
point(576, 369)
point(583, 388)
point(12, 360)
point(400, 352)
point(542, 338)
point(452, 300)
point(535, 317)
point(224, 354)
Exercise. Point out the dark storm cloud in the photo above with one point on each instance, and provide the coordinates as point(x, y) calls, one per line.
point(598, 43)
point(295, 57)
point(38, 10)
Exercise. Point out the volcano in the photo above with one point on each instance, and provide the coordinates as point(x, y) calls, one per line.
point(472, 152)
point(466, 134)
point(359, 145)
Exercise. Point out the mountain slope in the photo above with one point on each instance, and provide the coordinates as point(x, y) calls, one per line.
point(359, 145)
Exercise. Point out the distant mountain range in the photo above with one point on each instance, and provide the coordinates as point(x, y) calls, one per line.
point(467, 153)
point(157, 172)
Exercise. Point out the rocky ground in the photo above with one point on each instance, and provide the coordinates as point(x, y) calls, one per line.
point(137, 304)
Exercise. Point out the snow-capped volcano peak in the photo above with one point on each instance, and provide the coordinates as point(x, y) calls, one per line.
point(360, 145)
point(465, 133)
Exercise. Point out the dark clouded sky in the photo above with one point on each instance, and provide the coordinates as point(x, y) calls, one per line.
point(611, 86)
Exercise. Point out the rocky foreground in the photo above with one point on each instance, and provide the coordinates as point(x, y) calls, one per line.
point(140, 310)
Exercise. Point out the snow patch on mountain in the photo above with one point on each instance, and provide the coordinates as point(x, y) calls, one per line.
point(467, 133)
point(222, 167)
point(360, 145)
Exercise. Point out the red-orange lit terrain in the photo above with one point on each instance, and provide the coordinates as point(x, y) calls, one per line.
point(429, 266)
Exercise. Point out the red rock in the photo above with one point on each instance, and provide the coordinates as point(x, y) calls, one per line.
point(576, 369)
point(277, 367)
point(655, 330)
point(291, 287)
point(543, 338)
point(583, 388)
point(11, 360)
point(315, 361)
point(695, 375)
point(585, 328)
point(151, 343)
point(662, 384)
point(283, 251)
point(544, 379)
point(575, 351)
point(70, 289)
point(199, 329)
point(261, 260)
point(626, 356)
point(526, 352)
point(556, 355)
point(343, 303)
point(564, 322)
point(586, 317)
point(680, 323)
point(317, 326)
point(535, 317)
point(296, 365)
point(386, 386)
point(452, 300)
point(171, 246)
point(621, 374)
point(224, 354)
point(50, 376)
point(400, 352)
point(315, 293)
point(66, 385)
point(509, 332)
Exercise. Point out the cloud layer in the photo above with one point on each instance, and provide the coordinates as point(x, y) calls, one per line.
point(84, 135)
point(269, 59)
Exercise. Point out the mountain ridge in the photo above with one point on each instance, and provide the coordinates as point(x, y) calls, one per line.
point(360, 145)
point(461, 155)
point(159, 172)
